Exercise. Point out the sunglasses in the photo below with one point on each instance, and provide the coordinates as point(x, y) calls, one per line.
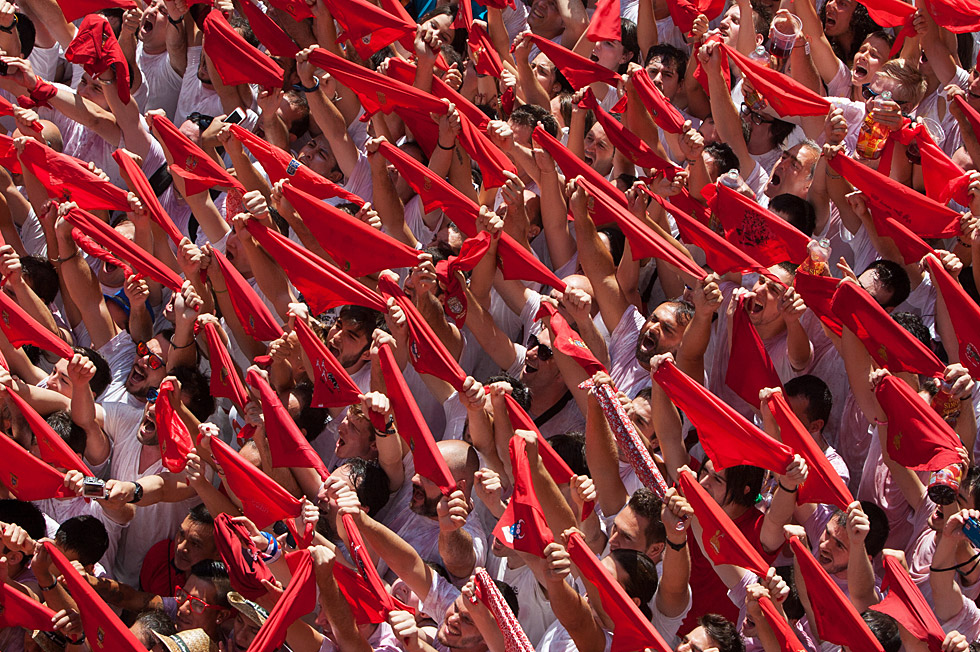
point(757, 118)
point(198, 605)
point(154, 362)
point(869, 94)
point(152, 394)
point(544, 351)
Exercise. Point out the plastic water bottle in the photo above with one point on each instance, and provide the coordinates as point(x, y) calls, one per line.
point(872, 137)
point(753, 99)
point(816, 264)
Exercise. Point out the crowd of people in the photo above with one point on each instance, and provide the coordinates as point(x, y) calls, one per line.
point(559, 325)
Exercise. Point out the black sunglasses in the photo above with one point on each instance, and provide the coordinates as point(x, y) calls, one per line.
point(869, 94)
point(544, 351)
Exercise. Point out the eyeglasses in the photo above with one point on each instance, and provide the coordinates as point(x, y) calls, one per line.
point(756, 118)
point(152, 394)
point(544, 351)
point(869, 94)
point(155, 362)
point(198, 605)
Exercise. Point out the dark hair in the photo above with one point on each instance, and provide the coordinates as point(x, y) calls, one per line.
point(243, 28)
point(641, 576)
point(743, 484)
point(780, 130)
point(913, 324)
point(40, 274)
point(669, 54)
point(519, 391)
point(874, 543)
point(26, 33)
point(617, 241)
point(70, 432)
point(793, 606)
point(799, 212)
point(24, 514)
point(103, 374)
point(200, 514)
point(723, 632)
point(885, 629)
point(571, 448)
point(197, 388)
point(893, 277)
point(683, 311)
point(215, 572)
point(723, 155)
point(631, 45)
point(510, 596)
point(819, 400)
point(362, 320)
point(311, 420)
point(155, 620)
point(646, 504)
point(529, 115)
point(761, 19)
point(458, 43)
point(370, 483)
point(861, 26)
point(84, 535)
point(972, 480)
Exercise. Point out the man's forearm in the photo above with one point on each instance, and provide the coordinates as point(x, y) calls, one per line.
point(456, 550)
point(122, 595)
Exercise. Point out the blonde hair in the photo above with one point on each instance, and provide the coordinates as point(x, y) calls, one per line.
point(910, 79)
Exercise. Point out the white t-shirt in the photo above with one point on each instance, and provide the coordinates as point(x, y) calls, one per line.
point(162, 82)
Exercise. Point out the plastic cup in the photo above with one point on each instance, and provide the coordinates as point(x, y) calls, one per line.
point(782, 36)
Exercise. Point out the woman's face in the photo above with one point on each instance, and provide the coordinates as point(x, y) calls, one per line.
point(837, 20)
point(868, 60)
point(545, 72)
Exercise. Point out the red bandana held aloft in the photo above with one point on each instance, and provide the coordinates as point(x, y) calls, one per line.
point(95, 49)
point(287, 444)
point(199, 171)
point(918, 438)
point(664, 114)
point(516, 262)
point(429, 462)
point(298, 600)
point(268, 32)
point(251, 311)
point(823, 484)
point(523, 526)
point(68, 179)
point(471, 252)
point(785, 95)
point(727, 437)
point(175, 438)
point(750, 369)
point(905, 603)
point(760, 233)
point(332, 385)
point(357, 248)
point(27, 477)
point(246, 570)
point(632, 630)
point(140, 185)
point(836, 621)
point(605, 24)
point(889, 344)
point(323, 285)
point(723, 542)
point(104, 632)
point(923, 216)
point(235, 59)
point(20, 329)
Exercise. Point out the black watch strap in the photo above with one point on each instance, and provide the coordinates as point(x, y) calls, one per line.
point(137, 493)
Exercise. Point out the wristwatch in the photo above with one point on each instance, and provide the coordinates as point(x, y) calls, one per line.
point(137, 493)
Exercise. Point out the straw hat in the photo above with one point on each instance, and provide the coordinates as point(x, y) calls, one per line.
point(251, 610)
point(193, 640)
